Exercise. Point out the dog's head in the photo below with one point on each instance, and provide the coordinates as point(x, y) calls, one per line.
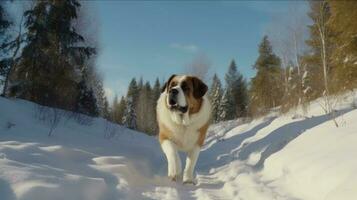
point(184, 93)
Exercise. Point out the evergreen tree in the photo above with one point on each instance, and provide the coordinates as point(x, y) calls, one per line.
point(53, 55)
point(100, 97)
point(106, 110)
point(145, 110)
point(344, 57)
point(129, 117)
point(266, 89)
point(237, 92)
point(132, 96)
point(230, 89)
point(215, 95)
point(115, 105)
point(119, 110)
point(5, 46)
point(156, 91)
point(140, 83)
point(223, 110)
point(133, 91)
point(4, 23)
point(86, 102)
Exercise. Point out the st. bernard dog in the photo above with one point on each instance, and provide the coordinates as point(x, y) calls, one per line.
point(183, 115)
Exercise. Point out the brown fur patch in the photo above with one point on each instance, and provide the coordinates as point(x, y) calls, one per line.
point(193, 102)
point(165, 134)
point(202, 136)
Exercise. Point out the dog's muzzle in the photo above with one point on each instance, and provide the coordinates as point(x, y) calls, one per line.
point(173, 103)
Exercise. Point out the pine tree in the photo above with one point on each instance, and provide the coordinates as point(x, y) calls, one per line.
point(133, 91)
point(266, 89)
point(156, 91)
point(132, 96)
point(237, 92)
point(144, 109)
point(86, 102)
point(344, 57)
point(115, 105)
point(5, 47)
point(119, 110)
point(215, 95)
point(53, 55)
point(106, 110)
point(4, 23)
point(100, 97)
point(230, 78)
point(129, 117)
point(140, 83)
point(224, 107)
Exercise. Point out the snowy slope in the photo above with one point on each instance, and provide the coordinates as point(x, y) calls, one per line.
point(294, 156)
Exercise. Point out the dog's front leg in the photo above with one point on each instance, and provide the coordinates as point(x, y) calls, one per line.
point(191, 160)
point(173, 159)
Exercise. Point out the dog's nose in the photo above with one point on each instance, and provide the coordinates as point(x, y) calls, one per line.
point(174, 92)
point(172, 102)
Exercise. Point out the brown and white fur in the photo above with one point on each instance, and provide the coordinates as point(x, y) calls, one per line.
point(183, 115)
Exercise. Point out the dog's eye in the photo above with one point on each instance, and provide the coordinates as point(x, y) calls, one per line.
point(184, 86)
point(173, 84)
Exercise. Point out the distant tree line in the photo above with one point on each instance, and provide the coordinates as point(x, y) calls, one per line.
point(137, 109)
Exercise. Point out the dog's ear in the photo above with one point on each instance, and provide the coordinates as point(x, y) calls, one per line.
point(199, 87)
point(167, 83)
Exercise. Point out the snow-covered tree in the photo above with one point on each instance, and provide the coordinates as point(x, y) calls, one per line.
point(118, 110)
point(225, 105)
point(5, 61)
point(129, 117)
point(215, 95)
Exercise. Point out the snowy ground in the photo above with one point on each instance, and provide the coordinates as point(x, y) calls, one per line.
point(293, 156)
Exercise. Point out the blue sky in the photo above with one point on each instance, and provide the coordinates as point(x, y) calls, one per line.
point(152, 39)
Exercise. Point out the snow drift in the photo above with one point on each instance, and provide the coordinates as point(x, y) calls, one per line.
point(294, 156)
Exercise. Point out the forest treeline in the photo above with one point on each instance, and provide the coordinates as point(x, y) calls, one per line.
point(48, 59)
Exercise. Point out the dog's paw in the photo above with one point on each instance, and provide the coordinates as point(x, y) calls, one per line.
point(189, 182)
point(174, 178)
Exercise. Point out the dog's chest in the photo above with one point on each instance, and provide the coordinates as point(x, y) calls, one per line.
point(185, 138)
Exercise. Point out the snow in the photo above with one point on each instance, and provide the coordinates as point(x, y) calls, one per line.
point(292, 156)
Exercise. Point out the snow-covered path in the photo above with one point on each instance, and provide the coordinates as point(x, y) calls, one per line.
point(286, 157)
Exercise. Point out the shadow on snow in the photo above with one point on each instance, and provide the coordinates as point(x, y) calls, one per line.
point(226, 151)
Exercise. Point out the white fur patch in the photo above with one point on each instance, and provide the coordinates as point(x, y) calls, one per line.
point(173, 159)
